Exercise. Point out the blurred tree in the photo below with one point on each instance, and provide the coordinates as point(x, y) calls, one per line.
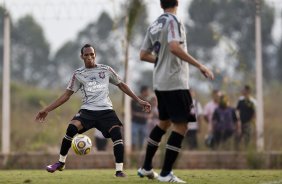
point(137, 25)
point(133, 12)
point(30, 53)
point(132, 24)
point(66, 60)
point(231, 23)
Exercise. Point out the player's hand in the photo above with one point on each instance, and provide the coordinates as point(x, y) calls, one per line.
point(206, 72)
point(146, 105)
point(41, 115)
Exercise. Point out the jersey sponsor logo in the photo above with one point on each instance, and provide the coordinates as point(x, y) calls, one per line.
point(105, 67)
point(156, 27)
point(102, 75)
point(94, 86)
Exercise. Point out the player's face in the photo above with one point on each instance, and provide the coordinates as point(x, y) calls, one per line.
point(246, 93)
point(88, 57)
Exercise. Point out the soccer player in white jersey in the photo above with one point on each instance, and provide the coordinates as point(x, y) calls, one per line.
point(165, 46)
point(96, 110)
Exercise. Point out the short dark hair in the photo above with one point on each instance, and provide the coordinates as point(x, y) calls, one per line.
point(169, 3)
point(86, 46)
point(223, 101)
point(247, 88)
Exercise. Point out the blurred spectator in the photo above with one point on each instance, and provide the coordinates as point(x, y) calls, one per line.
point(208, 113)
point(194, 127)
point(246, 109)
point(100, 140)
point(139, 120)
point(225, 122)
point(154, 115)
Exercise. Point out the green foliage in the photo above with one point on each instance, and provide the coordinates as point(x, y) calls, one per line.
point(231, 23)
point(66, 61)
point(30, 53)
point(107, 25)
point(272, 117)
point(33, 97)
point(28, 135)
point(136, 7)
point(255, 160)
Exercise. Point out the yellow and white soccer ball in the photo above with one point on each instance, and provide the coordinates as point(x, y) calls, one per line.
point(81, 144)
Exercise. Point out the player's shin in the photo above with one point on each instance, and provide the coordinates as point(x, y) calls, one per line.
point(153, 144)
point(173, 148)
point(66, 142)
point(118, 147)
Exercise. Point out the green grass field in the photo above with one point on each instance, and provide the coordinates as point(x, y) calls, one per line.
point(106, 177)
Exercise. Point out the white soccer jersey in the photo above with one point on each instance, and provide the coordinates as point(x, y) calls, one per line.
point(170, 72)
point(94, 86)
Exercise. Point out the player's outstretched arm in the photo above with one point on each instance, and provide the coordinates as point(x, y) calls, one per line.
point(41, 115)
point(124, 87)
point(176, 49)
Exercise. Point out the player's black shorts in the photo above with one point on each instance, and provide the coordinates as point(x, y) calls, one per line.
point(175, 106)
point(103, 120)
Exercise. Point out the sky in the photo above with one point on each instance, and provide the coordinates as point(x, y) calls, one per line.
point(63, 19)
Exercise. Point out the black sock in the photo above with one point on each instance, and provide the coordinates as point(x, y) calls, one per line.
point(152, 146)
point(66, 143)
point(117, 144)
point(172, 149)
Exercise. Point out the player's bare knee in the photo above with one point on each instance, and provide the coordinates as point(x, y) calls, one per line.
point(180, 128)
point(164, 125)
point(77, 124)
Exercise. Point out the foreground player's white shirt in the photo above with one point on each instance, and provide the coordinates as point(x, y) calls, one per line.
point(170, 72)
point(94, 86)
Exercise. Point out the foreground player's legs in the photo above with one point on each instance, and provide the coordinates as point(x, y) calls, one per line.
point(118, 149)
point(173, 148)
point(72, 130)
point(153, 143)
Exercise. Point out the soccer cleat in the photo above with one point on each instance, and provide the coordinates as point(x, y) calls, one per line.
point(170, 178)
point(151, 174)
point(57, 166)
point(120, 174)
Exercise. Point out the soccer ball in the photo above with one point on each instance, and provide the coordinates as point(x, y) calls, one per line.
point(81, 144)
